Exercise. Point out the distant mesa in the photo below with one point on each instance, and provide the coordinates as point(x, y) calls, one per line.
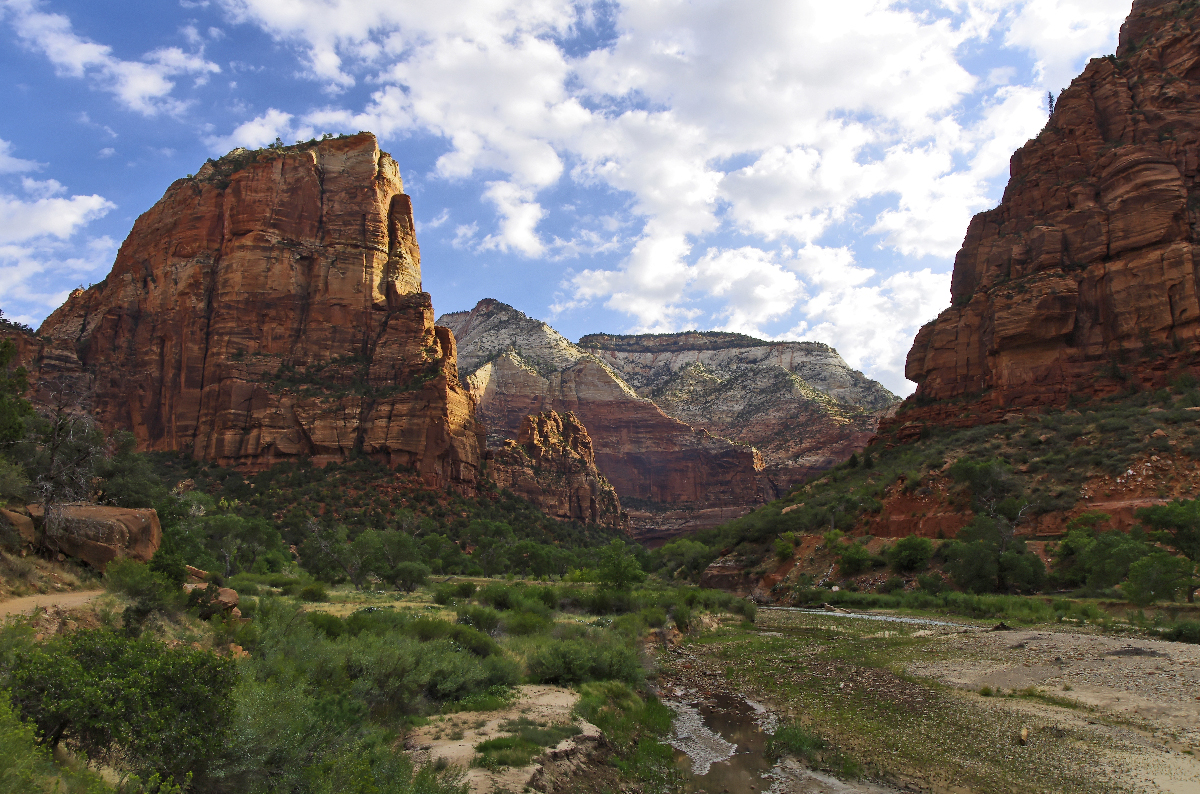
point(691, 429)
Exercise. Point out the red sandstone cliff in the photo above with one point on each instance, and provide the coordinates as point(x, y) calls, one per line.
point(553, 465)
point(270, 307)
point(1084, 279)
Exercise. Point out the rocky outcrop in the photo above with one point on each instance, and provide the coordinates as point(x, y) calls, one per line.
point(516, 366)
point(797, 403)
point(98, 534)
point(1084, 280)
point(270, 308)
point(553, 465)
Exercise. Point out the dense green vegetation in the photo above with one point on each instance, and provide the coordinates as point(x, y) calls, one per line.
point(322, 697)
point(354, 522)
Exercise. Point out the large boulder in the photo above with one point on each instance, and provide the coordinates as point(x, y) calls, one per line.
point(20, 524)
point(98, 534)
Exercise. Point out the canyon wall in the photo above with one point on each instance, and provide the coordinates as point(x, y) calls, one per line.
point(1083, 281)
point(268, 308)
point(798, 403)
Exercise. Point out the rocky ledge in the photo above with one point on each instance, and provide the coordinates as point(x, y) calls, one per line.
point(553, 465)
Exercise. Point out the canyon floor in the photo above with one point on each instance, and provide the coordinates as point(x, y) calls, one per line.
point(957, 708)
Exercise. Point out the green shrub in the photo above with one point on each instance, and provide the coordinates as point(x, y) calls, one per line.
point(854, 559)
point(331, 625)
point(519, 749)
point(134, 704)
point(520, 623)
point(313, 593)
point(796, 741)
point(931, 582)
point(576, 661)
point(484, 619)
point(1156, 577)
point(655, 617)
point(784, 549)
point(911, 553)
point(744, 607)
point(683, 617)
point(26, 765)
point(1183, 631)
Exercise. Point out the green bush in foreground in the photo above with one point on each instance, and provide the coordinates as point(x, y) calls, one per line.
point(136, 705)
point(577, 661)
point(25, 764)
point(634, 725)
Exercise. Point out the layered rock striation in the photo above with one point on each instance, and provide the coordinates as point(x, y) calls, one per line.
point(270, 308)
point(516, 366)
point(798, 403)
point(1084, 280)
point(552, 464)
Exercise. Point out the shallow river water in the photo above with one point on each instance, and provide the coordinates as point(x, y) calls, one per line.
point(720, 742)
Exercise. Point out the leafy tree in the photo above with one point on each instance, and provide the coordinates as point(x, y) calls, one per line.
point(137, 705)
point(854, 559)
point(408, 576)
point(1158, 576)
point(619, 567)
point(1107, 558)
point(911, 553)
point(686, 555)
point(60, 451)
point(127, 478)
point(15, 410)
point(1070, 568)
point(974, 566)
point(1020, 572)
point(1177, 525)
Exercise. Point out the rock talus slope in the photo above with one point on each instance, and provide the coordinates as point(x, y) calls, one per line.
point(670, 476)
point(1084, 279)
point(552, 464)
point(798, 403)
point(267, 308)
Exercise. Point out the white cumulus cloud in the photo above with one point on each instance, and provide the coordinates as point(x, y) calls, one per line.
point(143, 86)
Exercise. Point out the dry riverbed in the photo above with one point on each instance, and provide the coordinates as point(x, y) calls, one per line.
point(959, 708)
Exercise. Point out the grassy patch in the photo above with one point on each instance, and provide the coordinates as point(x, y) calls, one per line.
point(527, 740)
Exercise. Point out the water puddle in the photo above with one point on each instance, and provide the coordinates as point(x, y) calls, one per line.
point(720, 743)
point(861, 616)
point(720, 746)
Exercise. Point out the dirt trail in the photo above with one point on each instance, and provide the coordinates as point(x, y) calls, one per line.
point(27, 605)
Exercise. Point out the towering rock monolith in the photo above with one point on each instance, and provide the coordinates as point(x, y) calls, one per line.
point(270, 308)
point(1084, 280)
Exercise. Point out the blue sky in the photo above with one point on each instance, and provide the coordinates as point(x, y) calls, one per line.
point(793, 169)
